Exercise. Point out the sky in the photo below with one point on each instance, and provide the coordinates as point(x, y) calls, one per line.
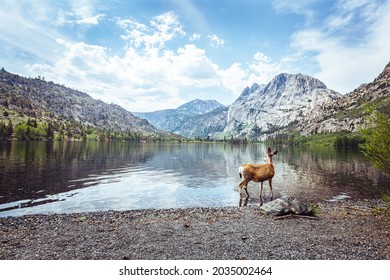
point(148, 55)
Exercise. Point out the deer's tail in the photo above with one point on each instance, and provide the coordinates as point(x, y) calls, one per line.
point(240, 171)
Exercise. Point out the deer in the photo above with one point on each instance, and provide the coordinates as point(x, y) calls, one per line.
point(257, 173)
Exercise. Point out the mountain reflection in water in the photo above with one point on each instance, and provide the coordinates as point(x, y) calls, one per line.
point(66, 177)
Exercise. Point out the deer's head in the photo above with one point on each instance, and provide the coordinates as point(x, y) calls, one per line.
point(270, 154)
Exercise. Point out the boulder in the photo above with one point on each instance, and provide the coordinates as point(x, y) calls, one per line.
point(285, 206)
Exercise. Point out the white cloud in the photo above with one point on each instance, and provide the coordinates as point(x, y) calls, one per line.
point(82, 12)
point(234, 78)
point(92, 20)
point(23, 29)
point(195, 37)
point(160, 30)
point(156, 68)
point(302, 7)
point(149, 75)
point(263, 69)
point(216, 42)
point(351, 5)
point(352, 46)
point(261, 57)
point(140, 81)
point(336, 22)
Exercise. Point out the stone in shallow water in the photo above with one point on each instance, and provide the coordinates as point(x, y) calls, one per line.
point(285, 206)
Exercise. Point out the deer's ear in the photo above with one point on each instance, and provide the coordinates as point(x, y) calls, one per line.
point(269, 150)
point(275, 152)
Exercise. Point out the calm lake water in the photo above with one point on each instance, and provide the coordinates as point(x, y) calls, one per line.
point(67, 177)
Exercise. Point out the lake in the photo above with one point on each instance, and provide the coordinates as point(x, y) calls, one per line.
point(69, 177)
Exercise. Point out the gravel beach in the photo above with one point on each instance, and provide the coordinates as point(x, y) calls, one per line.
point(341, 230)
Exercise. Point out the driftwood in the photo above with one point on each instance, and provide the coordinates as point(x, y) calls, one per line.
point(295, 216)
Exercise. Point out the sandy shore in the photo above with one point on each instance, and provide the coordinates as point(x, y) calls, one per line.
point(343, 230)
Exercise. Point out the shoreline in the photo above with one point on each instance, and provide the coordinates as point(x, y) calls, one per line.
point(347, 230)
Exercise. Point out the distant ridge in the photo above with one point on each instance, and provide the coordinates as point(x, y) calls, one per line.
point(171, 119)
point(22, 98)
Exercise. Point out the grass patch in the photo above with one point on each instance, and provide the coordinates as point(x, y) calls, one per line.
point(386, 198)
point(382, 104)
point(343, 139)
point(384, 211)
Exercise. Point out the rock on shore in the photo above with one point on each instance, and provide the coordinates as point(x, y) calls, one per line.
point(286, 206)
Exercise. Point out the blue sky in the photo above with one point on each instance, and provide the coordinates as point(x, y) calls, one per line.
point(147, 55)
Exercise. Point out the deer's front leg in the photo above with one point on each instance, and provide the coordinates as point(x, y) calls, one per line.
point(261, 193)
point(270, 187)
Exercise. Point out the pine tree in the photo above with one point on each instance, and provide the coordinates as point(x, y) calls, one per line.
point(2, 131)
point(10, 129)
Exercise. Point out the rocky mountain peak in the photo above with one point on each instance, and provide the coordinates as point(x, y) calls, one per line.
point(283, 101)
point(249, 90)
point(277, 84)
point(199, 106)
point(385, 75)
point(296, 84)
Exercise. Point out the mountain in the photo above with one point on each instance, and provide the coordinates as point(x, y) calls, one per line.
point(198, 106)
point(289, 103)
point(171, 119)
point(204, 125)
point(166, 120)
point(22, 97)
point(347, 113)
point(263, 109)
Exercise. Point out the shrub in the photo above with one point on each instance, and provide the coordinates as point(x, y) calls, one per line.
point(376, 136)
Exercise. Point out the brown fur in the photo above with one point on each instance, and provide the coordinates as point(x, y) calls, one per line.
point(257, 173)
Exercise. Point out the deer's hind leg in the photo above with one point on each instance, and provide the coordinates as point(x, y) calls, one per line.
point(244, 185)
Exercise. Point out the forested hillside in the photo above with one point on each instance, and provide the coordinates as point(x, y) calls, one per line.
point(33, 109)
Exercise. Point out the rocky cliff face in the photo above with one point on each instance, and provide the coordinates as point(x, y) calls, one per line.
point(347, 113)
point(264, 109)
